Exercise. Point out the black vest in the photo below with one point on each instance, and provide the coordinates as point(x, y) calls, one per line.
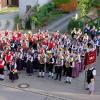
point(90, 75)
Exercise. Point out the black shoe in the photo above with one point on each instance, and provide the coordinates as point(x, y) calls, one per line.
point(52, 77)
point(87, 89)
point(42, 76)
point(48, 75)
point(59, 79)
point(1, 79)
point(69, 82)
point(66, 81)
point(55, 79)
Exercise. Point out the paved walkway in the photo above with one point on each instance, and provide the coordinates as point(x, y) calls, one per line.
point(60, 24)
point(7, 21)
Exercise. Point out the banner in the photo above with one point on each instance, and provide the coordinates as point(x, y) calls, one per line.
point(90, 57)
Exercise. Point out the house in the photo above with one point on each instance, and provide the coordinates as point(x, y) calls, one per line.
point(24, 5)
point(5, 3)
point(13, 2)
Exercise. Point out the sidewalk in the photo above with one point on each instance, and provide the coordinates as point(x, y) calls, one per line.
point(7, 18)
point(60, 24)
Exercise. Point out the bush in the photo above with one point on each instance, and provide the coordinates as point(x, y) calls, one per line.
point(75, 24)
point(44, 10)
point(28, 24)
point(42, 15)
point(17, 21)
point(96, 3)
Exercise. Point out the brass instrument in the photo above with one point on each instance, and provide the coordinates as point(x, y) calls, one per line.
point(67, 65)
point(42, 60)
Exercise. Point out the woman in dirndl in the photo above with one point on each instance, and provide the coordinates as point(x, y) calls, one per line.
point(69, 67)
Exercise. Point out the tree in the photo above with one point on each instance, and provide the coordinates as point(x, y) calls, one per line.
point(96, 3)
point(84, 6)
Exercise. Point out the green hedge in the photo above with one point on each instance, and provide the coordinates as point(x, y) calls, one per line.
point(42, 14)
point(44, 10)
point(96, 3)
point(98, 11)
point(75, 24)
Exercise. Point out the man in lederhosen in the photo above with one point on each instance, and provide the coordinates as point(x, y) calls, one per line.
point(91, 73)
point(50, 65)
point(69, 66)
point(29, 64)
point(41, 58)
point(19, 61)
point(59, 67)
point(35, 59)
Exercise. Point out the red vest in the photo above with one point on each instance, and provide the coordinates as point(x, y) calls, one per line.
point(6, 33)
point(51, 45)
point(8, 58)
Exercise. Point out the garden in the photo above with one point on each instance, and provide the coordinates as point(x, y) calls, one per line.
point(85, 6)
point(49, 13)
point(54, 10)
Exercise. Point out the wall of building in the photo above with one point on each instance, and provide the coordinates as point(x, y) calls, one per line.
point(14, 2)
point(3, 3)
point(24, 3)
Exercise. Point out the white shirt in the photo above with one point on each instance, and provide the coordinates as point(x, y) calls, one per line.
point(93, 72)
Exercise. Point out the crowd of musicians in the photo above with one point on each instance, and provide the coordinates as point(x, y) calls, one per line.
point(52, 55)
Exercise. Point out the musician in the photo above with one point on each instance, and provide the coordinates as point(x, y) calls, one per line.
point(19, 61)
point(1, 69)
point(29, 65)
point(69, 66)
point(59, 66)
point(41, 58)
point(91, 74)
point(66, 57)
point(50, 65)
point(8, 59)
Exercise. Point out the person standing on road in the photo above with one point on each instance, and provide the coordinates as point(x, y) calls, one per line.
point(41, 58)
point(50, 65)
point(59, 67)
point(91, 73)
